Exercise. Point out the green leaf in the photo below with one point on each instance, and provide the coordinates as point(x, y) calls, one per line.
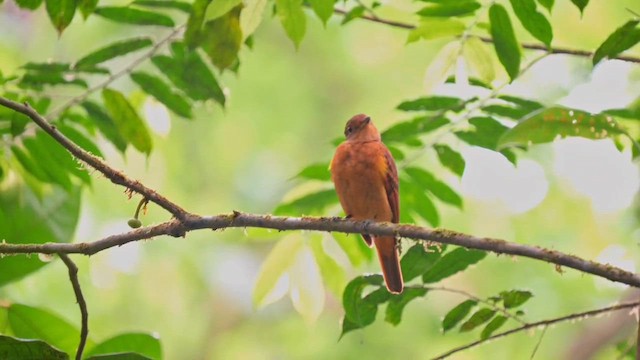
point(534, 22)
point(457, 8)
point(397, 304)
point(451, 263)
point(428, 182)
point(111, 51)
point(580, 4)
point(492, 326)
point(59, 163)
point(359, 311)
point(355, 248)
point(189, 73)
point(20, 349)
point(277, 262)
point(457, 314)
point(318, 171)
point(222, 38)
point(218, 8)
point(487, 133)
point(310, 204)
point(129, 124)
point(61, 13)
point(87, 7)
point(332, 273)
point(47, 67)
point(106, 125)
point(504, 40)
point(546, 125)
point(292, 18)
point(168, 4)
point(157, 88)
point(431, 103)
point(435, 28)
point(37, 80)
point(30, 165)
point(251, 16)
point(515, 298)
point(127, 15)
point(478, 318)
point(548, 4)
point(506, 111)
point(527, 104)
point(414, 198)
point(450, 159)
point(192, 33)
point(620, 40)
point(79, 139)
point(28, 4)
point(354, 13)
point(323, 9)
point(404, 131)
point(32, 323)
point(416, 261)
point(140, 343)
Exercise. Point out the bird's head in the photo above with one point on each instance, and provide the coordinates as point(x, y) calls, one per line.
point(360, 128)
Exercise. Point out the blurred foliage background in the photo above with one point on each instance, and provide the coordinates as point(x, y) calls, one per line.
point(285, 106)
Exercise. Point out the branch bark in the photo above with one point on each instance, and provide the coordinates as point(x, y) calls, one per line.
point(529, 46)
point(543, 323)
point(192, 222)
point(117, 177)
point(84, 313)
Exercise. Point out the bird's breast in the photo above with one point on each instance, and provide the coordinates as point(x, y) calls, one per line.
point(358, 172)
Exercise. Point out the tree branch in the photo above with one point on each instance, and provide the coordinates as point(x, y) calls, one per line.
point(530, 46)
point(240, 220)
point(113, 77)
point(84, 313)
point(543, 323)
point(117, 177)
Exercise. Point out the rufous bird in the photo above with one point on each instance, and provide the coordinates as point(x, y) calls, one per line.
point(366, 181)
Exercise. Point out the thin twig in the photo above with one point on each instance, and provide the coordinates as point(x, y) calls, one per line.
point(530, 46)
point(545, 323)
point(84, 313)
point(126, 70)
point(242, 220)
point(116, 176)
point(535, 349)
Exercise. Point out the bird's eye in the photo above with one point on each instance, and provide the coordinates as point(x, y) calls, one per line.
point(348, 130)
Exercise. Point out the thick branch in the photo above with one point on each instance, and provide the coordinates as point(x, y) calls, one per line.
point(543, 323)
point(241, 220)
point(117, 177)
point(84, 313)
point(530, 46)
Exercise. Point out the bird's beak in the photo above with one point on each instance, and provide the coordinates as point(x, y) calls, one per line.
point(367, 120)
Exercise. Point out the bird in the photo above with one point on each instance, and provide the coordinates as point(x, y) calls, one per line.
point(365, 177)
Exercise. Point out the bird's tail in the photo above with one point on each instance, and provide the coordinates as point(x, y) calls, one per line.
point(389, 262)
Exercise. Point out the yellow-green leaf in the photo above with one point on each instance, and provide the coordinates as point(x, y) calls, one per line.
point(222, 37)
point(292, 18)
point(251, 16)
point(305, 286)
point(274, 266)
point(479, 59)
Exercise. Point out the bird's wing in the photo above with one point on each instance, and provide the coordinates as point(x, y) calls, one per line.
point(391, 186)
